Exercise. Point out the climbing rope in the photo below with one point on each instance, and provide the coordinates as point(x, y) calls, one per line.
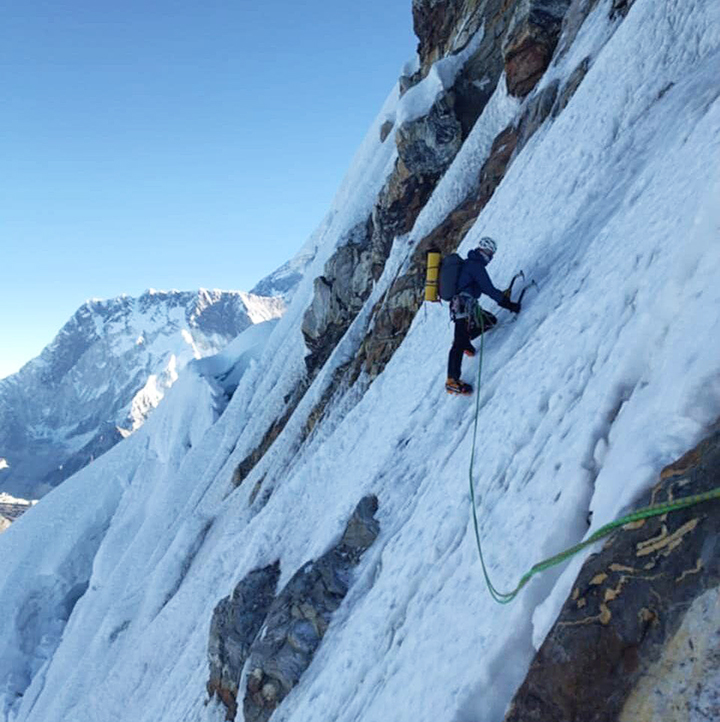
point(645, 513)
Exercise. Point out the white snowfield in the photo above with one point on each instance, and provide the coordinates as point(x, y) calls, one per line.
point(609, 373)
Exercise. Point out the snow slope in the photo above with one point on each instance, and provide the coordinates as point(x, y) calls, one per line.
point(609, 373)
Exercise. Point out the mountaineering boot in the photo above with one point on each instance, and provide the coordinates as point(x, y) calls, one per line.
point(457, 387)
point(470, 351)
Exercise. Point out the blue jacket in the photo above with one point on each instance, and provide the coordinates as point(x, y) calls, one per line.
point(474, 279)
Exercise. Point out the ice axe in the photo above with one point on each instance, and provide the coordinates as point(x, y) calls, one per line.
point(508, 291)
point(529, 285)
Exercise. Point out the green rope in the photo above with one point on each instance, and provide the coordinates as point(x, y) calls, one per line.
point(645, 513)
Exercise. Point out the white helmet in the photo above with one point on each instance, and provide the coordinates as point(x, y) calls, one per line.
point(487, 246)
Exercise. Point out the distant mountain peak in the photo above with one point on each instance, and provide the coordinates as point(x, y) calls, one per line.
point(108, 367)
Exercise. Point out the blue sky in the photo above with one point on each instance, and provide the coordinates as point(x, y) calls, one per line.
point(174, 144)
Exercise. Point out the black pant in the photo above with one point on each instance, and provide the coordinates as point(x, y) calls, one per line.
point(466, 330)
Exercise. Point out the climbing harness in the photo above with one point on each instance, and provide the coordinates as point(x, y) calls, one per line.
point(645, 513)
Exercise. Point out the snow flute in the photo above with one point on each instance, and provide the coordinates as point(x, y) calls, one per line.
point(431, 276)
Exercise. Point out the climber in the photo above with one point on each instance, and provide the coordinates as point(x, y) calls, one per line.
point(469, 318)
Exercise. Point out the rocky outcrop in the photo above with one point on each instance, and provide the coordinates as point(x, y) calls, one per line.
point(235, 624)
point(299, 617)
point(538, 107)
point(531, 41)
point(638, 638)
point(385, 130)
point(279, 635)
point(527, 25)
point(434, 22)
point(571, 85)
point(339, 295)
point(426, 147)
point(572, 22)
point(689, 668)
point(621, 7)
point(519, 38)
point(445, 27)
point(428, 144)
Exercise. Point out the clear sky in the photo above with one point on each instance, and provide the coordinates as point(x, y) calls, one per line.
point(174, 144)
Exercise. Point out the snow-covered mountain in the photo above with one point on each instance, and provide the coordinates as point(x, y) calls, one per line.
point(305, 550)
point(11, 508)
point(284, 281)
point(105, 371)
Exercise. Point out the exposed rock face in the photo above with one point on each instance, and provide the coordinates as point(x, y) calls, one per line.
point(434, 22)
point(279, 635)
point(531, 41)
point(572, 22)
point(299, 617)
point(385, 130)
point(571, 85)
point(428, 145)
point(621, 7)
point(519, 37)
point(399, 204)
point(538, 108)
point(445, 27)
point(339, 295)
point(689, 669)
point(236, 621)
point(632, 642)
